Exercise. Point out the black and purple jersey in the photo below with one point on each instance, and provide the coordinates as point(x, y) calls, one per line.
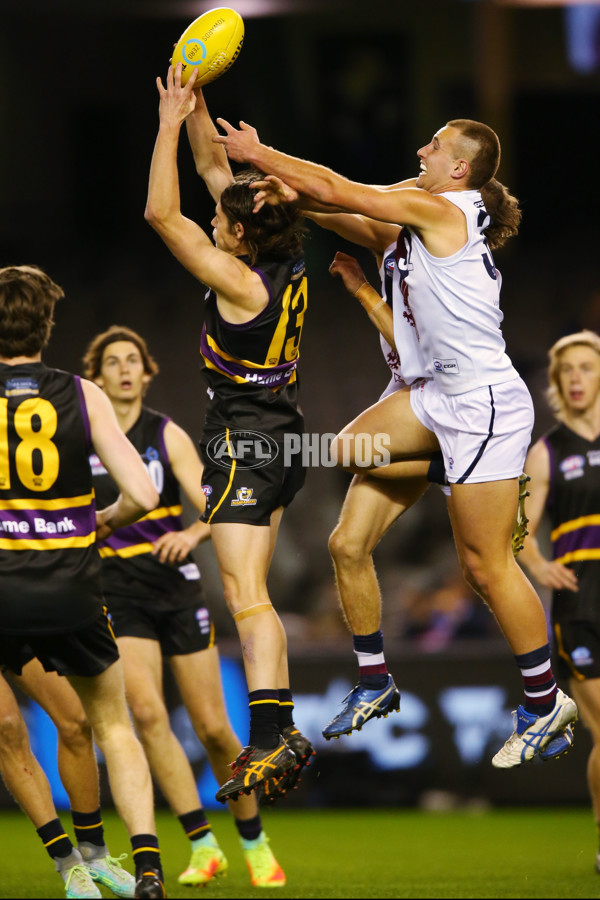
point(251, 369)
point(573, 505)
point(128, 567)
point(48, 558)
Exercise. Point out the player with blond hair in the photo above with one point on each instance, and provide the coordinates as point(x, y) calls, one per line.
point(564, 466)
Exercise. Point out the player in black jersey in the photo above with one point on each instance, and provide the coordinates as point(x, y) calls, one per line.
point(564, 466)
point(51, 602)
point(77, 767)
point(250, 346)
point(154, 595)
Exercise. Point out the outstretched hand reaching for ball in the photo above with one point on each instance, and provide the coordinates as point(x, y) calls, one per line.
point(176, 102)
point(238, 143)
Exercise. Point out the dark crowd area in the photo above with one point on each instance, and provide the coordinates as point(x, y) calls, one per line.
point(360, 91)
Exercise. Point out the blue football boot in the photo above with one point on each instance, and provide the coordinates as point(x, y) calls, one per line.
point(363, 704)
point(558, 745)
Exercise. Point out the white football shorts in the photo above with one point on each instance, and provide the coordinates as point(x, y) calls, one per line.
point(484, 434)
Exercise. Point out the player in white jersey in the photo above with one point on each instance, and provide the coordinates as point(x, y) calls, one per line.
point(483, 424)
point(371, 505)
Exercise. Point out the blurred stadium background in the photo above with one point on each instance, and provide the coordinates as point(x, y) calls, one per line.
point(359, 87)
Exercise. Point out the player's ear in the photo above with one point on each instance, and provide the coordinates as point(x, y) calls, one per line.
point(99, 381)
point(461, 168)
point(146, 379)
point(238, 230)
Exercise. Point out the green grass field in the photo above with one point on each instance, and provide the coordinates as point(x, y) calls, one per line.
point(352, 853)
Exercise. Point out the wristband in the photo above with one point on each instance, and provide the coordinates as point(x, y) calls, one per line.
point(368, 297)
point(377, 305)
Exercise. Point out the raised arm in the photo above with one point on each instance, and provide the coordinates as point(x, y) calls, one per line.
point(137, 493)
point(548, 573)
point(361, 230)
point(232, 280)
point(355, 282)
point(210, 158)
point(404, 205)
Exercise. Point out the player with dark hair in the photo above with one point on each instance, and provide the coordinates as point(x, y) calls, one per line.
point(154, 594)
point(50, 595)
point(564, 466)
point(466, 398)
point(254, 311)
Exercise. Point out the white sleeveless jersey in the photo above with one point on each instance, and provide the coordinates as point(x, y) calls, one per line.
point(452, 308)
point(387, 273)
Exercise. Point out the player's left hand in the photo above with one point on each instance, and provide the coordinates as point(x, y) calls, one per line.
point(174, 546)
point(349, 270)
point(237, 142)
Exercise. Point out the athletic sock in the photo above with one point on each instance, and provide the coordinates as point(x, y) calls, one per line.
point(538, 681)
point(249, 829)
point(88, 827)
point(195, 824)
point(286, 708)
point(146, 854)
point(253, 843)
point(55, 839)
point(264, 719)
point(372, 670)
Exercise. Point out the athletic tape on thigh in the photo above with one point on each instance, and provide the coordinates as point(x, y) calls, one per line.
point(252, 611)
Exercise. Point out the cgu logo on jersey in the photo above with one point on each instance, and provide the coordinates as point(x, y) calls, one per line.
point(244, 497)
point(446, 366)
point(572, 467)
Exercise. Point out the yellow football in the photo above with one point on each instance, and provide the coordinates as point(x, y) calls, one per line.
point(210, 44)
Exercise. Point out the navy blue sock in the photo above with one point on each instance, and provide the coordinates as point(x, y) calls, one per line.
point(372, 670)
point(538, 681)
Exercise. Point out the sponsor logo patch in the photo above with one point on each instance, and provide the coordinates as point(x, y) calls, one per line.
point(582, 656)
point(20, 387)
point(446, 366)
point(572, 467)
point(244, 497)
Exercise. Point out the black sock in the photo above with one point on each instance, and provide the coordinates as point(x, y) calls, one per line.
point(264, 719)
point(249, 829)
point(55, 839)
point(88, 827)
point(146, 854)
point(195, 824)
point(286, 708)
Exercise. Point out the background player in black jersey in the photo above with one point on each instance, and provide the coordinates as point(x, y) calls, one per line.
point(250, 340)
point(152, 589)
point(78, 771)
point(564, 466)
point(51, 603)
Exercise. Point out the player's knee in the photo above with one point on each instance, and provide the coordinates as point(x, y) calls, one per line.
point(76, 731)
point(345, 549)
point(13, 734)
point(213, 734)
point(150, 719)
